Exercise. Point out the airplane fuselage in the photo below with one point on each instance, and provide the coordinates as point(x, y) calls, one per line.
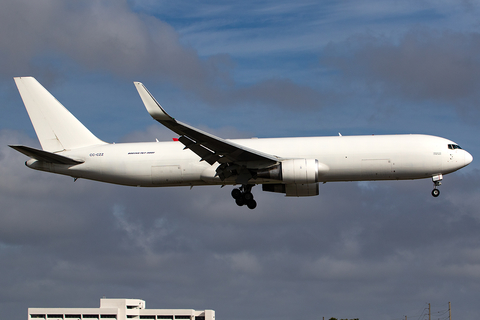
point(340, 158)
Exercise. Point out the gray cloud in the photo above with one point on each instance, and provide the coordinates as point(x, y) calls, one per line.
point(423, 65)
point(282, 93)
point(45, 37)
point(103, 35)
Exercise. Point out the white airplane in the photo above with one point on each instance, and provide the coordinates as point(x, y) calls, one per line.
point(293, 166)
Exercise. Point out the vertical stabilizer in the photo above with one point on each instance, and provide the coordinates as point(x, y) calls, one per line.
point(57, 129)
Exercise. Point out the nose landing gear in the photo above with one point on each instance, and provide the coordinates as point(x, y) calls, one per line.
point(437, 181)
point(244, 196)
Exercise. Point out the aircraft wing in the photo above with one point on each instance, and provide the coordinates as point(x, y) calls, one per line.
point(45, 156)
point(207, 146)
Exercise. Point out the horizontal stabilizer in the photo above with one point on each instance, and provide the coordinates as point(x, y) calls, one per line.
point(45, 155)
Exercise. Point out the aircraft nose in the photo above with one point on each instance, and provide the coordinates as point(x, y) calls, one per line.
point(468, 158)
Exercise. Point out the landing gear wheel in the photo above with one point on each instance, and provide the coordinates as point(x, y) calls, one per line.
point(243, 196)
point(251, 204)
point(240, 201)
point(437, 181)
point(236, 193)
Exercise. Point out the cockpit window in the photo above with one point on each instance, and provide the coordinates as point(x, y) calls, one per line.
point(454, 146)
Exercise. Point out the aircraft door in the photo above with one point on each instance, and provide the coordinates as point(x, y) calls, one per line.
point(168, 174)
point(376, 169)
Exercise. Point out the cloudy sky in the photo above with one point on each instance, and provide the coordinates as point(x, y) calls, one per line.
point(379, 250)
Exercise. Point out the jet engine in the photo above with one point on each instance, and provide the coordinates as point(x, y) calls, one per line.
point(299, 177)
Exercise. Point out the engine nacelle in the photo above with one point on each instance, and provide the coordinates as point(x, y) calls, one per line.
point(299, 176)
point(298, 171)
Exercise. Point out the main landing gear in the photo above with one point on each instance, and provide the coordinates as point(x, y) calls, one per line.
point(244, 196)
point(437, 181)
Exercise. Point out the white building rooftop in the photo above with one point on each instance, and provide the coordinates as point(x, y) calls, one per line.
point(119, 309)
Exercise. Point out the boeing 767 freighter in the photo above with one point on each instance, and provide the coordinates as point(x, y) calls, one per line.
point(292, 166)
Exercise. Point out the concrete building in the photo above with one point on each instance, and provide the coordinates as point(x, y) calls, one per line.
point(118, 309)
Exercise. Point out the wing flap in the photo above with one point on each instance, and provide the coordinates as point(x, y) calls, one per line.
point(205, 154)
point(45, 155)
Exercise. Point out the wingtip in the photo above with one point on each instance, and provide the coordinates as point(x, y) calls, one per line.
point(23, 77)
point(153, 107)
